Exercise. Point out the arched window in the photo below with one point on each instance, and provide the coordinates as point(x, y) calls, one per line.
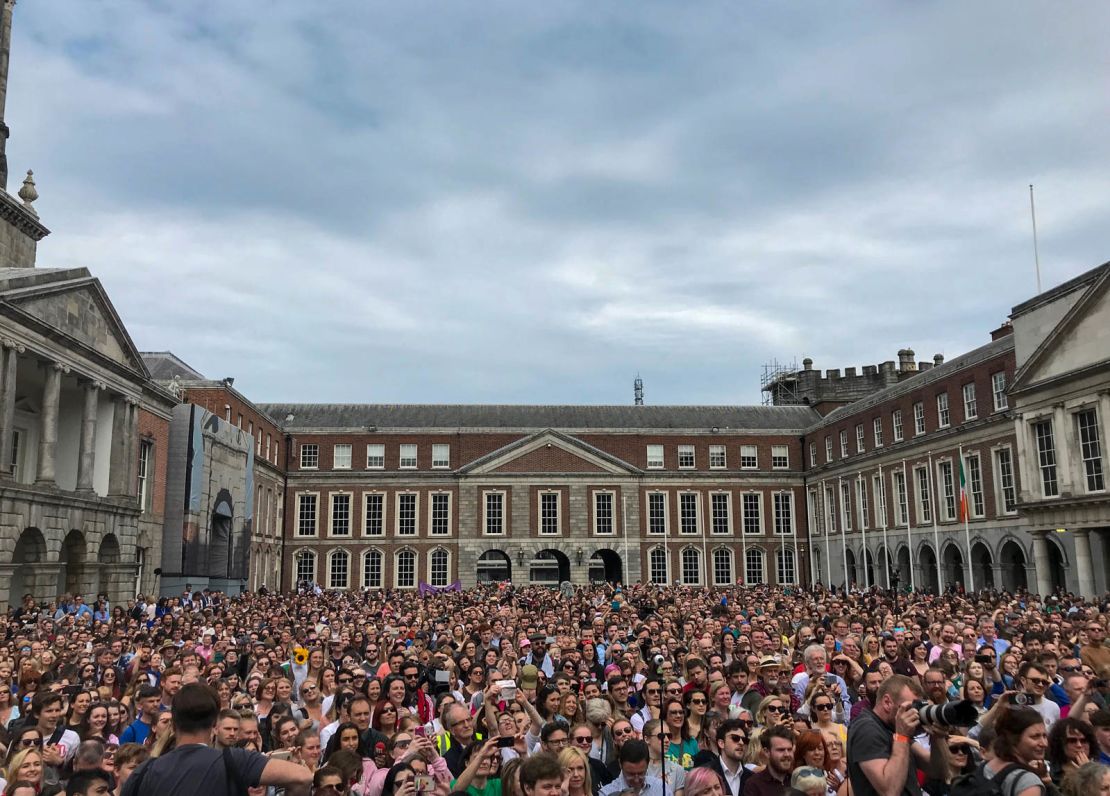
point(404, 576)
point(753, 566)
point(339, 570)
point(657, 565)
point(787, 570)
point(691, 566)
point(372, 569)
point(722, 566)
point(305, 565)
point(439, 568)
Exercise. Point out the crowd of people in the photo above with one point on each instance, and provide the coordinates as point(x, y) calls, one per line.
point(591, 691)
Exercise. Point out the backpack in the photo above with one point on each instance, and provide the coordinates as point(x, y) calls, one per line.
point(977, 783)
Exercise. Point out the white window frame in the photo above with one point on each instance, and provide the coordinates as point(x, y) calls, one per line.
point(717, 501)
point(299, 499)
point(1003, 459)
point(944, 414)
point(923, 494)
point(813, 454)
point(877, 432)
point(441, 456)
point(486, 495)
point(918, 418)
point(297, 558)
point(781, 526)
point(397, 567)
point(549, 493)
point(1048, 462)
point(998, 391)
point(350, 514)
point(861, 503)
point(693, 499)
point(654, 554)
point(431, 573)
point(846, 506)
point(408, 456)
point(946, 482)
point(744, 513)
point(146, 458)
point(830, 508)
point(828, 448)
point(309, 451)
point(878, 488)
point(780, 457)
point(366, 514)
point(843, 443)
point(612, 495)
point(364, 576)
point(695, 554)
point(897, 432)
point(749, 457)
point(664, 498)
point(332, 556)
point(901, 498)
point(725, 554)
point(718, 458)
point(432, 497)
point(400, 500)
point(760, 576)
point(340, 453)
point(971, 401)
point(375, 456)
point(655, 457)
point(976, 500)
point(1088, 438)
point(861, 438)
point(786, 566)
point(687, 451)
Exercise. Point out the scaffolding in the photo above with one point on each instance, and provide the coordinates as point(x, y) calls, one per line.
point(779, 384)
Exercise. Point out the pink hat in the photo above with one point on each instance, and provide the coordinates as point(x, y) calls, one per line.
point(525, 643)
point(611, 669)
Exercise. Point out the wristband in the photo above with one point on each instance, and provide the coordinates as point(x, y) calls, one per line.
point(901, 738)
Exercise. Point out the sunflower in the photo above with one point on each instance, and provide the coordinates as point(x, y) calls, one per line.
point(300, 656)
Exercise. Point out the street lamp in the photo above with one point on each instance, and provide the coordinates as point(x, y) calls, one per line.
point(578, 556)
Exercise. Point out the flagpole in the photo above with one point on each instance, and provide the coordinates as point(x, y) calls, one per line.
point(829, 527)
point(794, 530)
point(934, 504)
point(743, 546)
point(886, 543)
point(862, 531)
point(967, 526)
point(843, 529)
point(909, 523)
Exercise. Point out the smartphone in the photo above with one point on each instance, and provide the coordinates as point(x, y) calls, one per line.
point(830, 679)
point(423, 784)
point(281, 754)
point(419, 731)
point(506, 742)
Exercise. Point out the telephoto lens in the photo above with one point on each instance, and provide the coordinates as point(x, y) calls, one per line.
point(951, 714)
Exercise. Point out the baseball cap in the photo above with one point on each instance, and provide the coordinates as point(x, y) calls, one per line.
point(529, 677)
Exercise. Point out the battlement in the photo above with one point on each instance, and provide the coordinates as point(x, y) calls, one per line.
point(831, 389)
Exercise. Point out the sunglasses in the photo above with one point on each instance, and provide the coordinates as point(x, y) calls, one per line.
point(959, 749)
point(583, 739)
point(775, 709)
point(27, 743)
point(822, 706)
point(1037, 680)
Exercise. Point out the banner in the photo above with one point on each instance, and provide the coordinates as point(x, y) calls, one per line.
point(424, 589)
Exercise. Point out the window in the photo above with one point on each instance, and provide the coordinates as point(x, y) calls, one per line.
point(749, 457)
point(918, 418)
point(780, 457)
point(438, 568)
point(1004, 463)
point(339, 570)
point(878, 488)
point(372, 570)
point(783, 503)
point(341, 515)
point(685, 457)
point(408, 457)
point(719, 510)
point(947, 491)
point(306, 566)
point(306, 515)
point(495, 513)
point(896, 425)
point(373, 514)
point(268, 442)
point(657, 512)
point(830, 510)
point(861, 502)
point(375, 456)
point(655, 457)
point(813, 516)
point(717, 459)
point(310, 456)
point(813, 454)
point(406, 514)
point(404, 575)
point(440, 508)
point(998, 390)
point(691, 567)
point(657, 565)
point(341, 457)
point(859, 438)
point(549, 513)
point(843, 443)
point(722, 567)
point(258, 449)
point(971, 405)
point(603, 513)
point(146, 456)
point(1090, 449)
point(944, 417)
point(687, 512)
point(828, 449)
point(975, 504)
point(787, 570)
point(753, 566)
point(845, 506)
point(441, 456)
point(1046, 457)
point(901, 499)
point(924, 501)
point(753, 522)
point(877, 431)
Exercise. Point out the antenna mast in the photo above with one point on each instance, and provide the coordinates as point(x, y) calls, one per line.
point(638, 390)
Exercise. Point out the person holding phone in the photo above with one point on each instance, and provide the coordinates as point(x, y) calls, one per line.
point(815, 660)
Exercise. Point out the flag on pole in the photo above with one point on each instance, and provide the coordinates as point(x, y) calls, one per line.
point(963, 490)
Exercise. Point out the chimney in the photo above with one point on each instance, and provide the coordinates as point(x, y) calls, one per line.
point(1002, 331)
point(923, 366)
point(807, 363)
point(905, 360)
point(938, 360)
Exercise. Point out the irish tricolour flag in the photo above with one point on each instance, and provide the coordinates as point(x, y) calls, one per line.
point(963, 491)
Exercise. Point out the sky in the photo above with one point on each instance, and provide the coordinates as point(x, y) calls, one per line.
point(365, 202)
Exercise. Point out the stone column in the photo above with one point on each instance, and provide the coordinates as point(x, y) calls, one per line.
point(1042, 562)
point(1063, 437)
point(119, 468)
point(9, 364)
point(1084, 568)
point(87, 459)
point(48, 433)
point(132, 447)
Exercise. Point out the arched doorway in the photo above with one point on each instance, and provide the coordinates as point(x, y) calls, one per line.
point(219, 544)
point(1013, 561)
point(868, 568)
point(107, 559)
point(818, 566)
point(71, 574)
point(549, 568)
point(981, 566)
point(493, 566)
point(30, 550)
point(902, 575)
point(605, 567)
point(927, 560)
point(953, 566)
point(850, 564)
point(1055, 565)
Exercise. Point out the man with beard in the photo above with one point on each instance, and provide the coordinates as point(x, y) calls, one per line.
point(936, 685)
point(765, 685)
point(892, 654)
point(871, 682)
point(947, 642)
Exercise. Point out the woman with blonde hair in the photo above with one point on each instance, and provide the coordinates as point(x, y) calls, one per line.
point(576, 771)
point(26, 766)
point(773, 709)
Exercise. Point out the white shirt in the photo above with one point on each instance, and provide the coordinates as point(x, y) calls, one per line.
point(732, 777)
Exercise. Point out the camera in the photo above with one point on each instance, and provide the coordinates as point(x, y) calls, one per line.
point(1020, 700)
point(657, 660)
point(951, 714)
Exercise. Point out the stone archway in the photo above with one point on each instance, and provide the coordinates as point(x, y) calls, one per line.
point(850, 568)
point(220, 541)
point(493, 566)
point(927, 560)
point(605, 567)
point(549, 568)
point(1013, 562)
point(29, 552)
point(953, 567)
point(902, 575)
point(72, 572)
point(868, 568)
point(981, 566)
point(108, 560)
point(1056, 569)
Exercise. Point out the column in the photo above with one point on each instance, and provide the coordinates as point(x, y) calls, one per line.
point(1084, 568)
point(1042, 562)
point(9, 364)
point(118, 469)
point(1064, 437)
point(132, 447)
point(48, 433)
point(87, 458)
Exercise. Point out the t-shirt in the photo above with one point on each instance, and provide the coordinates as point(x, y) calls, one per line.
point(196, 770)
point(1015, 783)
point(135, 732)
point(871, 739)
point(492, 788)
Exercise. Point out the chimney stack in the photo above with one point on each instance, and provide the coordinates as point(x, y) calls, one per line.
point(905, 360)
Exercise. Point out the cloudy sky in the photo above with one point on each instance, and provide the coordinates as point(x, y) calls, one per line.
point(353, 201)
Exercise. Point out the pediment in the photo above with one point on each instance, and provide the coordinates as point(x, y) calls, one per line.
point(81, 312)
point(549, 452)
point(1080, 341)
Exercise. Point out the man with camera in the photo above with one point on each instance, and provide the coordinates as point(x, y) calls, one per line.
point(883, 757)
point(1035, 681)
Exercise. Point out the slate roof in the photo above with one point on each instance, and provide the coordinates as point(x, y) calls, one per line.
point(163, 366)
point(789, 419)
